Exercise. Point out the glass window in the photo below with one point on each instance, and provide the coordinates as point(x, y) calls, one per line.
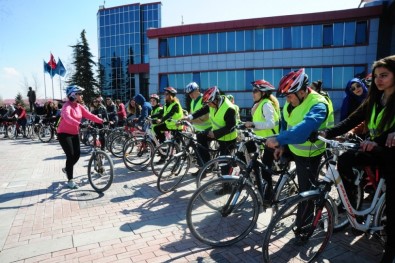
point(268, 39)
point(349, 33)
point(231, 41)
point(326, 77)
point(231, 80)
point(278, 38)
point(204, 43)
point(249, 77)
point(338, 78)
point(296, 37)
point(361, 32)
point(222, 42)
point(258, 39)
point(171, 45)
point(163, 82)
point(328, 35)
point(316, 74)
point(258, 74)
point(222, 80)
point(187, 45)
point(287, 38)
point(277, 75)
point(338, 34)
point(213, 43)
point(268, 75)
point(179, 46)
point(163, 49)
point(248, 40)
point(307, 32)
point(360, 72)
point(240, 41)
point(213, 79)
point(317, 35)
point(204, 80)
point(348, 73)
point(196, 78)
point(240, 80)
point(196, 44)
point(179, 82)
point(171, 80)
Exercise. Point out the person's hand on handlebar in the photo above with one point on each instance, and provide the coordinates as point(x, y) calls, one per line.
point(249, 124)
point(367, 146)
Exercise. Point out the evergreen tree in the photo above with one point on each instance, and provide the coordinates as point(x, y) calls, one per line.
point(19, 99)
point(83, 75)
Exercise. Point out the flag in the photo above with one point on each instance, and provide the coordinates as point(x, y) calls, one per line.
point(52, 62)
point(60, 69)
point(48, 69)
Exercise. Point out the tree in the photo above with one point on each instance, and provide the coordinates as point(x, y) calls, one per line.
point(83, 64)
point(19, 99)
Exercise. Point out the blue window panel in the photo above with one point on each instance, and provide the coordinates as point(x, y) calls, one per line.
point(277, 75)
point(196, 78)
point(240, 40)
point(163, 82)
point(287, 38)
point(171, 44)
point(163, 48)
point(222, 81)
point(326, 77)
point(187, 45)
point(248, 40)
point(348, 73)
point(249, 77)
point(179, 82)
point(231, 80)
point(188, 77)
point(338, 78)
point(171, 80)
point(338, 34)
point(286, 71)
point(296, 37)
point(307, 36)
point(258, 39)
point(258, 74)
point(278, 38)
point(231, 41)
point(316, 74)
point(204, 80)
point(268, 75)
point(213, 48)
point(349, 33)
point(360, 72)
point(240, 80)
point(317, 35)
point(327, 35)
point(361, 32)
point(268, 39)
point(213, 79)
point(196, 44)
point(204, 43)
point(309, 72)
point(222, 42)
point(179, 46)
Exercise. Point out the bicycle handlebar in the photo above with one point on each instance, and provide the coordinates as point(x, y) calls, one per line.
point(339, 145)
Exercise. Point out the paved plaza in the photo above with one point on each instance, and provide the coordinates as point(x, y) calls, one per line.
point(43, 221)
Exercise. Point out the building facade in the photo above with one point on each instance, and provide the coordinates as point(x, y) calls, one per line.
point(332, 46)
point(123, 48)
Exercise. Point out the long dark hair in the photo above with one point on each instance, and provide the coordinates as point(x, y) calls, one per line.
point(374, 95)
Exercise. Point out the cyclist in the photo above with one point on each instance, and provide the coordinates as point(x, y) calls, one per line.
point(377, 111)
point(356, 93)
point(146, 109)
point(20, 112)
point(100, 111)
point(266, 121)
point(304, 112)
point(121, 112)
point(156, 107)
point(68, 129)
point(200, 124)
point(232, 99)
point(112, 112)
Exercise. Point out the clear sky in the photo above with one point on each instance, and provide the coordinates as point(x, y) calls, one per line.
point(31, 29)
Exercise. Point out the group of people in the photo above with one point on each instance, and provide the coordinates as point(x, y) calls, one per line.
point(307, 110)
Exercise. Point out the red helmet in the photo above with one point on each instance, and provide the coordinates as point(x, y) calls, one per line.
point(262, 85)
point(211, 94)
point(292, 82)
point(171, 90)
point(154, 96)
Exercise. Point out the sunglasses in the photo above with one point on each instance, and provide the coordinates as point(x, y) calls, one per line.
point(357, 86)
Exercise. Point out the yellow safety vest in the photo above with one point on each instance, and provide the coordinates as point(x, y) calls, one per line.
point(217, 119)
point(195, 106)
point(375, 121)
point(171, 123)
point(258, 117)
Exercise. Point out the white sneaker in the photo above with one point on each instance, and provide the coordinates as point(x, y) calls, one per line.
point(72, 185)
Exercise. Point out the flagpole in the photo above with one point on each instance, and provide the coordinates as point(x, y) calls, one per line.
point(53, 96)
point(45, 86)
point(60, 87)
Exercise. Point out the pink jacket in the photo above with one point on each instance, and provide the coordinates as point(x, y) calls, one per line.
point(71, 114)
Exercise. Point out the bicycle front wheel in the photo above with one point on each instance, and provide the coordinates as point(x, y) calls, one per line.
point(45, 133)
point(162, 154)
point(222, 212)
point(100, 171)
point(137, 154)
point(299, 231)
point(173, 172)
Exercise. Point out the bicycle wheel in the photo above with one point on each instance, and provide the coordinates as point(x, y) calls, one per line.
point(137, 154)
point(303, 234)
point(3, 130)
point(285, 188)
point(173, 172)
point(341, 219)
point(380, 220)
point(162, 154)
point(12, 131)
point(117, 145)
point(45, 133)
point(222, 212)
point(225, 165)
point(100, 171)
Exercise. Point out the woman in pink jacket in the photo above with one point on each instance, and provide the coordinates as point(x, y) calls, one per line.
point(68, 129)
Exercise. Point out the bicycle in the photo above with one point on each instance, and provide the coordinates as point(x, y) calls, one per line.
point(225, 210)
point(305, 234)
point(47, 131)
point(100, 165)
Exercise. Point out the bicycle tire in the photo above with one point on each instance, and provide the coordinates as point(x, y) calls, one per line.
point(99, 175)
point(204, 215)
point(45, 134)
point(285, 188)
point(283, 242)
point(212, 169)
point(380, 220)
point(341, 219)
point(137, 154)
point(118, 144)
point(3, 130)
point(173, 172)
point(162, 154)
point(12, 132)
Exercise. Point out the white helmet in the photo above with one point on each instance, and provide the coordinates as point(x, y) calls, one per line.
point(191, 87)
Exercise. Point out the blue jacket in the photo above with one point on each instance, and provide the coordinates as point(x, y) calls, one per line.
point(351, 102)
point(146, 108)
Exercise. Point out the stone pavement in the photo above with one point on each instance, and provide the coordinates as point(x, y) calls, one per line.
point(43, 221)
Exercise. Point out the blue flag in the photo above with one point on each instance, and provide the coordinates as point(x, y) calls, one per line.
point(60, 69)
point(49, 70)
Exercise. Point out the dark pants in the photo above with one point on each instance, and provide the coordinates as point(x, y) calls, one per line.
point(32, 106)
point(71, 147)
point(160, 131)
point(22, 123)
point(202, 139)
point(225, 148)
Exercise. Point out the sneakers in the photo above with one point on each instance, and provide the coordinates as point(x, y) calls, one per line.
point(72, 185)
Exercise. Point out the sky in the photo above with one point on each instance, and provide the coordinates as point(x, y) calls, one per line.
point(31, 29)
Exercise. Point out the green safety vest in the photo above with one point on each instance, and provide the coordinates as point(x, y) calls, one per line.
point(375, 121)
point(217, 119)
point(195, 106)
point(331, 114)
point(306, 149)
point(171, 123)
point(258, 117)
